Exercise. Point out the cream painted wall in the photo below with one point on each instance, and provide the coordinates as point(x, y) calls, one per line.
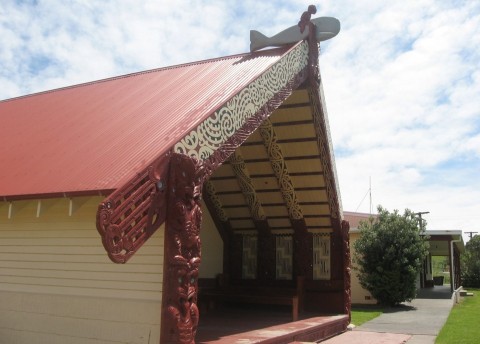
point(57, 284)
point(359, 295)
point(212, 247)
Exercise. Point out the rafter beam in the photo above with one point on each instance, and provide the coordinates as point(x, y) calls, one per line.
point(246, 185)
point(280, 169)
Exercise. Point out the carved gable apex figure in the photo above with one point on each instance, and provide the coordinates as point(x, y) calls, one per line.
point(326, 27)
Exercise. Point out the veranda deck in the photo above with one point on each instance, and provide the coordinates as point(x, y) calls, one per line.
point(265, 325)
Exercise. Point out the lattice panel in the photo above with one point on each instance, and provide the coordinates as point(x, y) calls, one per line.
point(321, 256)
point(249, 257)
point(283, 257)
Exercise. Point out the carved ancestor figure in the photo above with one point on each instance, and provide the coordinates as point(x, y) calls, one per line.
point(305, 18)
point(182, 312)
point(182, 251)
point(186, 216)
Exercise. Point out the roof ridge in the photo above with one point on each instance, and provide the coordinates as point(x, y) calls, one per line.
point(153, 70)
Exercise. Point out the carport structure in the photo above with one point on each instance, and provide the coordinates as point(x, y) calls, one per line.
point(445, 243)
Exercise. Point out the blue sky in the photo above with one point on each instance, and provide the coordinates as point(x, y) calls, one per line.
point(401, 80)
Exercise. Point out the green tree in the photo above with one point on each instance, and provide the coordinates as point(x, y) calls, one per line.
point(390, 253)
point(471, 263)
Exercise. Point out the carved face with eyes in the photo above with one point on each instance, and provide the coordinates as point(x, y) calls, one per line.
point(186, 288)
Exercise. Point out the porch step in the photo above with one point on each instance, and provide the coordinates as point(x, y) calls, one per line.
point(309, 330)
point(465, 293)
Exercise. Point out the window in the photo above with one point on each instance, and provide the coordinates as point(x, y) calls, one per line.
point(321, 256)
point(249, 257)
point(283, 257)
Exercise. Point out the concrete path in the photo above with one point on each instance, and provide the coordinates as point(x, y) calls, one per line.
point(416, 322)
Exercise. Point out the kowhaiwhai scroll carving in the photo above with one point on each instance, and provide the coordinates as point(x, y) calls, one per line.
point(246, 185)
point(280, 169)
point(217, 204)
point(215, 131)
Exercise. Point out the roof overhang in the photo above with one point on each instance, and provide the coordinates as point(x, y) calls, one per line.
point(133, 212)
point(440, 240)
point(93, 138)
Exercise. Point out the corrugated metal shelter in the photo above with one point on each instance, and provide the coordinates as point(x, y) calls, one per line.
point(442, 243)
point(248, 134)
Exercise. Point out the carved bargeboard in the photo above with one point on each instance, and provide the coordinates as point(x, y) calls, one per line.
point(131, 214)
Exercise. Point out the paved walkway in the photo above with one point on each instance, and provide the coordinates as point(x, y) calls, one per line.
point(416, 322)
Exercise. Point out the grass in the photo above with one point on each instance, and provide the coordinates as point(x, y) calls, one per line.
point(364, 314)
point(462, 324)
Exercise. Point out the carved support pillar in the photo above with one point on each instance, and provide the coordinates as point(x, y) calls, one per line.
point(302, 248)
point(266, 252)
point(182, 251)
point(457, 269)
point(347, 298)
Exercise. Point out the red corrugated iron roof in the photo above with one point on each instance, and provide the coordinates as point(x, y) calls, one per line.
point(95, 136)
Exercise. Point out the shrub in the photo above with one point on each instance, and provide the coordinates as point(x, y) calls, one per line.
point(471, 263)
point(389, 253)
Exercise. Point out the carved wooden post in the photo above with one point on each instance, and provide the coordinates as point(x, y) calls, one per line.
point(182, 251)
point(346, 268)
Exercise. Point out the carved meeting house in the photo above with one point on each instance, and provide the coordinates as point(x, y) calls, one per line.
point(248, 145)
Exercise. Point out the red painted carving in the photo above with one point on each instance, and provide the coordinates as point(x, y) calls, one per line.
point(170, 189)
point(346, 267)
point(131, 214)
point(182, 250)
point(321, 129)
point(313, 68)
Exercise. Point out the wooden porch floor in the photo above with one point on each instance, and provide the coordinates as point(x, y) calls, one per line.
point(265, 324)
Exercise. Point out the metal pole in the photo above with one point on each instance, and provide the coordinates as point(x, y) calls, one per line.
point(422, 276)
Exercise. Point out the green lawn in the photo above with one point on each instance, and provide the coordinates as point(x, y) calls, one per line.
point(361, 314)
point(462, 326)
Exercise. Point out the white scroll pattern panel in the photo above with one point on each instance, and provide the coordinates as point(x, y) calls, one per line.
point(321, 256)
point(283, 257)
point(249, 257)
point(212, 133)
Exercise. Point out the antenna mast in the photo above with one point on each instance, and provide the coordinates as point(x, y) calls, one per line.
point(370, 189)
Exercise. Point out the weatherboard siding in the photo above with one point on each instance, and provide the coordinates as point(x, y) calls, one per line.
point(359, 294)
point(57, 284)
